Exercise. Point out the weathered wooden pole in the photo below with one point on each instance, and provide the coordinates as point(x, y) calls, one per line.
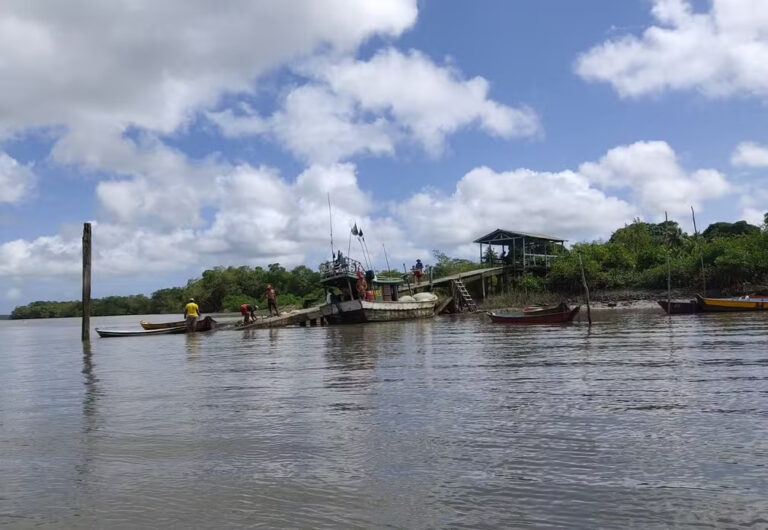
point(701, 255)
point(669, 267)
point(586, 289)
point(86, 331)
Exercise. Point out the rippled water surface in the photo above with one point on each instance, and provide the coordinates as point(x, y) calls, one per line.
point(645, 421)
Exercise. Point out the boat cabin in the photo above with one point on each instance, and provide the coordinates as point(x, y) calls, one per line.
point(339, 278)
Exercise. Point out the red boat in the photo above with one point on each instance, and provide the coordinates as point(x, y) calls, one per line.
point(555, 315)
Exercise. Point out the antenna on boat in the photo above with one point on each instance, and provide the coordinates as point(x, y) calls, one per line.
point(330, 218)
point(385, 256)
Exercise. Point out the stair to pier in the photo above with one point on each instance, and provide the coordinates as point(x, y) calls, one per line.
point(463, 295)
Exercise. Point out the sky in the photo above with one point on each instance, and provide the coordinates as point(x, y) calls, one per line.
point(194, 134)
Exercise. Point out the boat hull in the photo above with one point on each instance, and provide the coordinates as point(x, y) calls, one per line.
point(719, 305)
point(162, 325)
point(139, 333)
point(206, 324)
point(359, 311)
point(534, 318)
point(680, 308)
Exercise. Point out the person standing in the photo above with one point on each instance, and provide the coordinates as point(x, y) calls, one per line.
point(418, 271)
point(247, 310)
point(191, 314)
point(272, 300)
point(362, 285)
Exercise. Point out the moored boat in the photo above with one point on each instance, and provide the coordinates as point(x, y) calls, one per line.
point(162, 325)
point(139, 332)
point(206, 324)
point(742, 303)
point(382, 301)
point(558, 315)
point(680, 308)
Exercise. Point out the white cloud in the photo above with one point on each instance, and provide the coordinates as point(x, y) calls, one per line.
point(16, 180)
point(152, 65)
point(720, 52)
point(564, 204)
point(658, 183)
point(438, 100)
point(750, 154)
point(351, 107)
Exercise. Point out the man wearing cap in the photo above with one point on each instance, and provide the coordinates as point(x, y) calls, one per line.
point(191, 313)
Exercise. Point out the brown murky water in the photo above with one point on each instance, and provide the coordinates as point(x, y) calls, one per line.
point(645, 421)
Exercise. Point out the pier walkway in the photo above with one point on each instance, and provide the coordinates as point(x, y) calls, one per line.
point(445, 281)
point(300, 317)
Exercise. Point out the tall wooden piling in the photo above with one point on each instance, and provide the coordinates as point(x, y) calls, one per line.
point(86, 330)
point(586, 289)
point(669, 267)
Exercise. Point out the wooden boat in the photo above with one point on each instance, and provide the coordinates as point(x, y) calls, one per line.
point(680, 308)
point(162, 325)
point(205, 324)
point(743, 303)
point(565, 314)
point(383, 303)
point(139, 332)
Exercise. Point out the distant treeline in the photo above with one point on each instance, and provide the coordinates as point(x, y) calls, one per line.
point(222, 289)
point(735, 258)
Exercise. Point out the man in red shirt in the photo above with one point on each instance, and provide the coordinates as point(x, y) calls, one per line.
point(247, 310)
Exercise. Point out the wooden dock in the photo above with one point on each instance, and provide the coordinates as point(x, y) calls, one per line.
point(445, 281)
point(300, 317)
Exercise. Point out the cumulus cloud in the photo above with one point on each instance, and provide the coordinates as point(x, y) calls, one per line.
point(720, 52)
point(353, 107)
point(152, 65)
point(653, 175)
point(750, 154)
point(16, 180)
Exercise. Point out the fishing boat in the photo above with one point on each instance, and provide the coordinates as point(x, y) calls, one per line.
point(680, 308)
point(139, 332)
point(555, 315)
point(741, 303)
point(205, 324)
point(382, 301)
point(162, 325)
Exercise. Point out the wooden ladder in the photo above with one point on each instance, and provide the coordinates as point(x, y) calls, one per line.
point(463, 295)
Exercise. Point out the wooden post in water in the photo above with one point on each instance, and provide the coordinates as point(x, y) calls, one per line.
point(669, 267)
point(586, 289)
point(86, 331)
point(701, 255)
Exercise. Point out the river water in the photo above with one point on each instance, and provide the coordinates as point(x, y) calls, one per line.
point(644, 421)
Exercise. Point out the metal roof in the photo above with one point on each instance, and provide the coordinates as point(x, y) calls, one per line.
point(502, 237)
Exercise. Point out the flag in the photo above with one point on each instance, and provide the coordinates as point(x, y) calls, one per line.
point(354, 230)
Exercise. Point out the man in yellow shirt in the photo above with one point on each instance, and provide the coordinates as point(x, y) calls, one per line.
point(191, 313)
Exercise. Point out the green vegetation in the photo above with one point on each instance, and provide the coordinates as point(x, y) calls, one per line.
point(218, 290)
point(735, 257)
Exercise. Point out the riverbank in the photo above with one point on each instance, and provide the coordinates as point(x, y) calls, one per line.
point(635, 299)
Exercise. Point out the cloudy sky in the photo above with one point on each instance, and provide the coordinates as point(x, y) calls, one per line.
point(195, 133)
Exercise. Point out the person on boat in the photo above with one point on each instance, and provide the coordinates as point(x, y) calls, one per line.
point(362, 285)
point(247, 310)
point(272, 300)
point(418, 271)
point(191, 314)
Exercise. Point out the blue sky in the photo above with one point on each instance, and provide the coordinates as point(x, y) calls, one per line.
point(194, 136)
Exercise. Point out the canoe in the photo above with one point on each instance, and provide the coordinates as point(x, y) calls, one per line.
point(743, 303)
point(205, 324)
point(680, 308)
point(162, 325)
point(536, 317)
point(139, 332)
